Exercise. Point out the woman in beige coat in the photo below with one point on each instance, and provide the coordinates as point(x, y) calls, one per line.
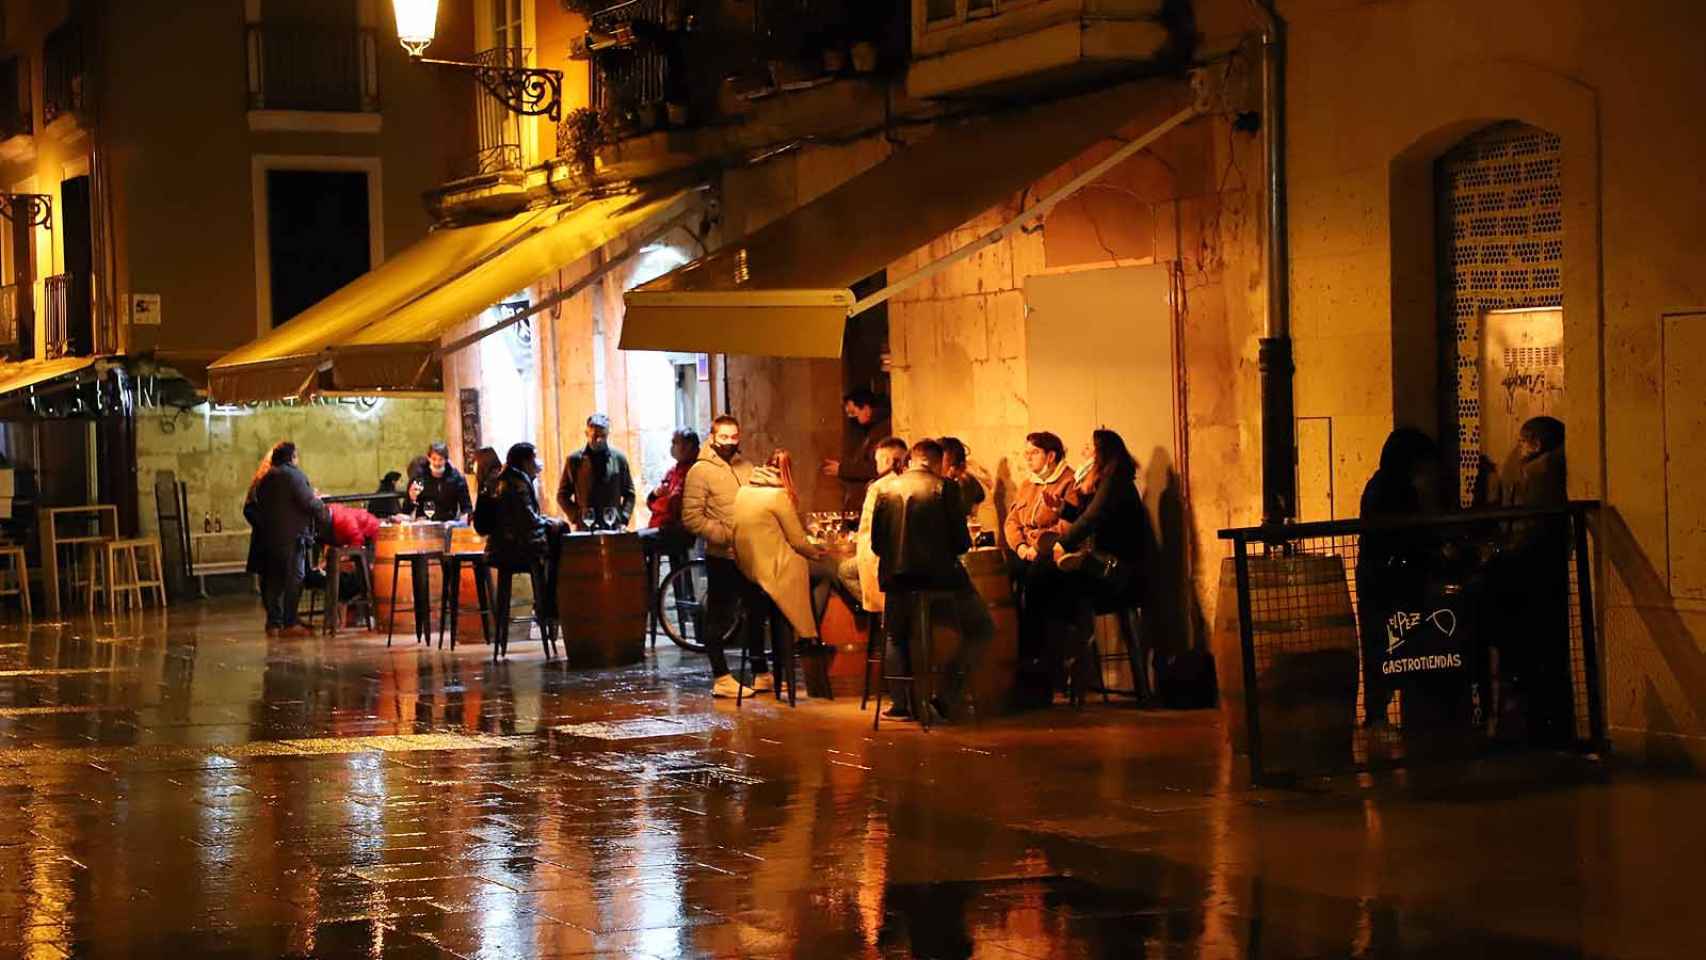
point(770, 542)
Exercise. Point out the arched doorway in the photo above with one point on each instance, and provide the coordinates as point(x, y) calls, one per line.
point(1500, 230)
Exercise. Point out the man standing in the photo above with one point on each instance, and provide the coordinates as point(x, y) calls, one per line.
point(440, 493)
point(708, 512)
point(289, 510)
point(857, 467)
point(918, 534)
point(596, 491)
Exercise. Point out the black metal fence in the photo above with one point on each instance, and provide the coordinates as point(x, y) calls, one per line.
point(309, 66)
point(12, 315)
point(1371, 645)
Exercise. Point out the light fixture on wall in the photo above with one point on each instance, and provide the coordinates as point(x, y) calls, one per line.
point(528, 91)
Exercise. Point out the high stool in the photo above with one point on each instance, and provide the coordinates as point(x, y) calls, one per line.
point(503, 618)
point(656, 550)
point(335, 603)
point(13, 555)
point(873, 653)
point(1114, 638)
point(782, 644)
point(450, 598)
point(112, 568)
point(419, 562)
point(922, 666)
point(147, 549)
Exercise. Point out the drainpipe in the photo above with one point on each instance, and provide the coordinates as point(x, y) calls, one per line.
point(1279, 431)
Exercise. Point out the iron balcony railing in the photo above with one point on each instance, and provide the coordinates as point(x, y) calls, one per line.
point(1364, 644)
point(68, 310)
point(308, 66)
point(62, 72)
point(498, 127)
point(15, 116)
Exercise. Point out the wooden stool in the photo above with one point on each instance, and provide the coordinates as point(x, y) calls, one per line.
point(148, 550)
point(113, 568)
point(13, 555)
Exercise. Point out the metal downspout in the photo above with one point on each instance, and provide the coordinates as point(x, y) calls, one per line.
point(1279, 429)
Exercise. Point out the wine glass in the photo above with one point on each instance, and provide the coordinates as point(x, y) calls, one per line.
point(610, 518)
point(589, 519)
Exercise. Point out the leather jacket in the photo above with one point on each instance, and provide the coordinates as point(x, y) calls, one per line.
point(517, 534)
point(918, 532)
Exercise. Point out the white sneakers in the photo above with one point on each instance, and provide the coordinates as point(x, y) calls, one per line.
point(763, 683)
point(726, 686)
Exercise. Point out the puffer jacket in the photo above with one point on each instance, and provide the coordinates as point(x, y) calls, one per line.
point(514, 530)
point(708, 500)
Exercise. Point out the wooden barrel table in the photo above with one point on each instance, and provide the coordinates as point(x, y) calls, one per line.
point(395, 538)
point(998, 674)
point(601, 599)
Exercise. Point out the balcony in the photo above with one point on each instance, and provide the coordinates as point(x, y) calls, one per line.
point(312, 68)
point(67, 315)
point(62, 73)
point(993, 47)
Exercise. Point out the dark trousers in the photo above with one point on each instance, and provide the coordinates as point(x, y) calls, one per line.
point(728, 590)
point(976, 626)
point(281, 583)
point(1048, 607)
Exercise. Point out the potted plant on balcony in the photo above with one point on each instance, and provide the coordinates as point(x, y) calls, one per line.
point(578, 140)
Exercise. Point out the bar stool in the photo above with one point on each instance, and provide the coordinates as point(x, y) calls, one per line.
point(919, 652)
point(147, 549)
point(873, 653)
point(13, 556)
point(450, 598)
point(419, 562)
point(335, 603)
point(502, 613)
point(782, 644)
point(112, 568)
point(1122, 629)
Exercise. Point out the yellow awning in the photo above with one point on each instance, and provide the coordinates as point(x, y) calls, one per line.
point(28, 373)
point(285, 361)
point(399, 350)
point(381, 332)
point(784, 290)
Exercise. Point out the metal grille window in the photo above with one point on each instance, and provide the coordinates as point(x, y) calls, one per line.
point(1500, 203)
point(499, 128)
point(14, 97)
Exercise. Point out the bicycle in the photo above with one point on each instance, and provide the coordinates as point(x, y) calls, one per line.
point(679, 607)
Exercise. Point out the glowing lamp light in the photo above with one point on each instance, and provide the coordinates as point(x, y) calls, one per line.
point(417, 22)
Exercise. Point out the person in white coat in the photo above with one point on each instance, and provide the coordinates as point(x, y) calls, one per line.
point(771, 547)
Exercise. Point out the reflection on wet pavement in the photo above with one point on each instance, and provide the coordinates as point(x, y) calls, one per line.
point(190, 787)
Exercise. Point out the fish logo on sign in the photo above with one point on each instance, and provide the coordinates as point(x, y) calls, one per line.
point(1399, 625)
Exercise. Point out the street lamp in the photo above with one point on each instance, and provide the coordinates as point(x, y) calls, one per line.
point(529, 91)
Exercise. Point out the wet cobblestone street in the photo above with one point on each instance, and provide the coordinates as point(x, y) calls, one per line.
point(182, 786)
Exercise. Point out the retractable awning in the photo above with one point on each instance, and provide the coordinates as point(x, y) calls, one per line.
point(785, 289)
point(29, 373)
point(381, 333)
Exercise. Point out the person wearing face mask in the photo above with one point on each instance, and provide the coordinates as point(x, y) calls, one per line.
point(708, 512)
point(440, 492)
point(1046, 601)
point(596, 491)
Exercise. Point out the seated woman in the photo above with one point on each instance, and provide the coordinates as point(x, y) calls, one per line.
point(771, 548)
point(1104, 547)
point(518, 537)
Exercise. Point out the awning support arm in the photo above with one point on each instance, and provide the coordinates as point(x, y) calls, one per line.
point(1040, 209)
point(568, 292)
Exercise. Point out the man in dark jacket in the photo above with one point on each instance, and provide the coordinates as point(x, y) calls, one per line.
point(868, 420)
point(596, 483)
point(918, 532)
point(441, 492)
point(288, 510)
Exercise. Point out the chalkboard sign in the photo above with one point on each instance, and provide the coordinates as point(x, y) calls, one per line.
point(470, 403)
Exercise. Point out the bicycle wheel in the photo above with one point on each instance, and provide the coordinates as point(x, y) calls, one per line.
point(681, 607)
